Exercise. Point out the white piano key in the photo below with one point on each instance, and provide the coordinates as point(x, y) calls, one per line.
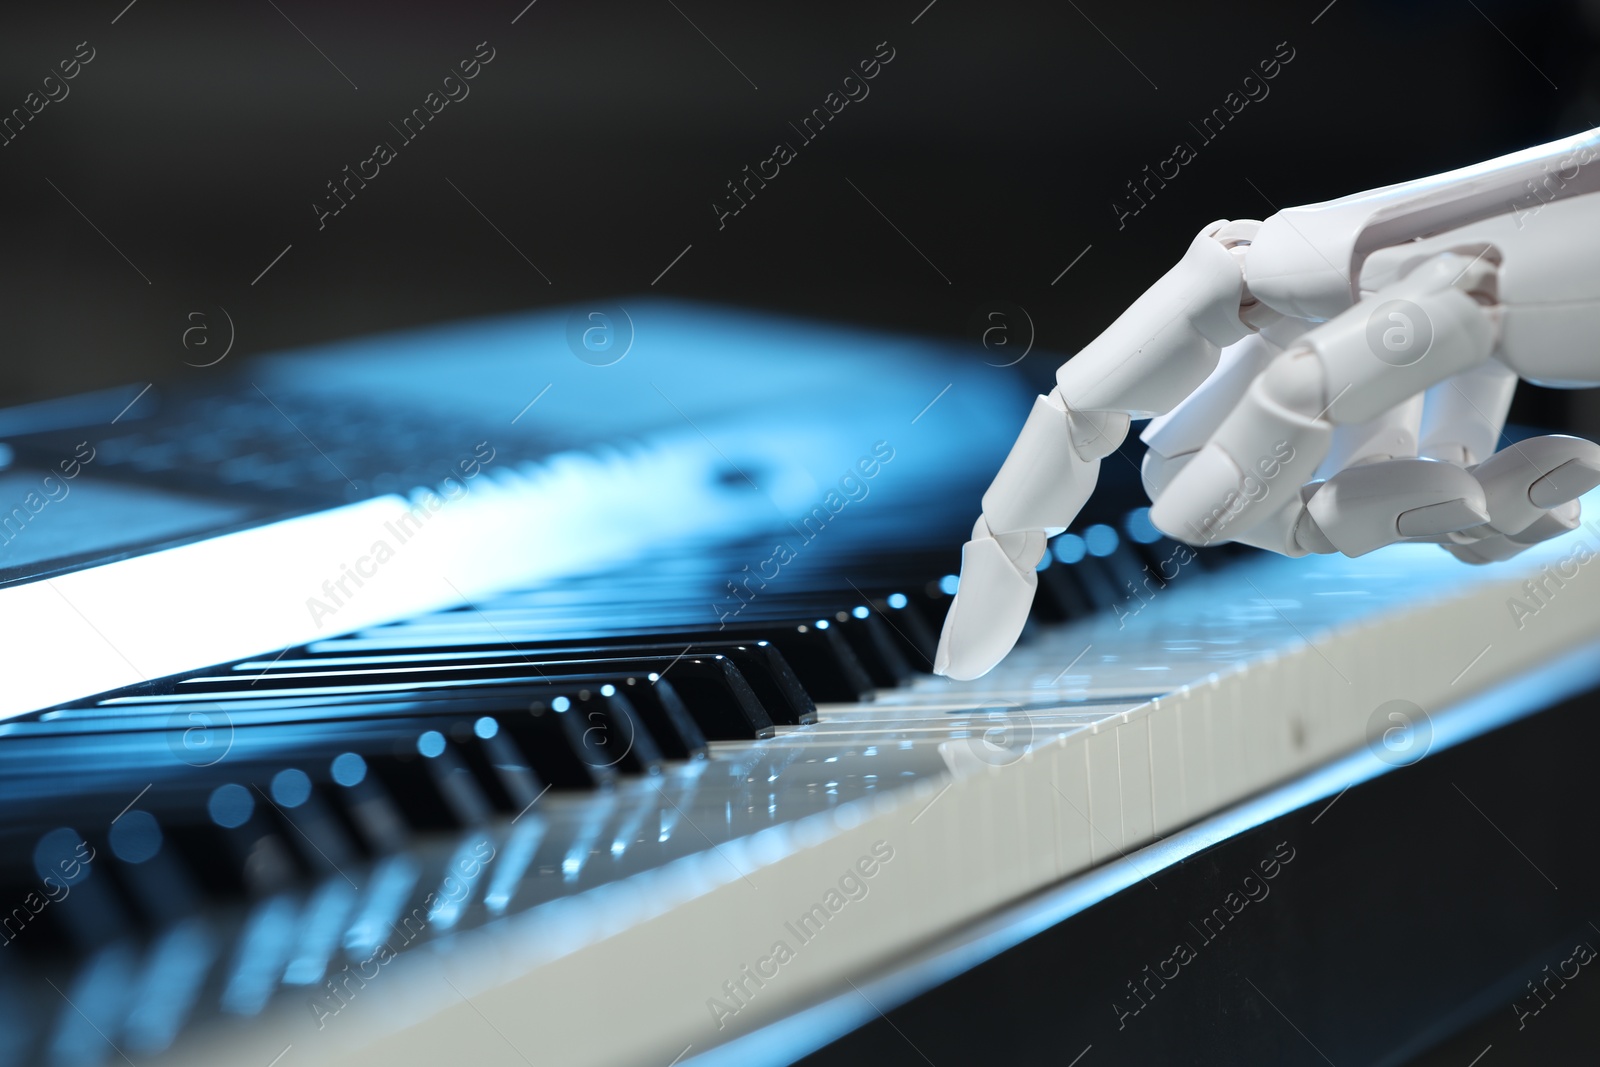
point(1258, 722)
point(1105, 794)
point(1133, 761)
point(1166, 769)
point(1041, 849)
point(1069, 782)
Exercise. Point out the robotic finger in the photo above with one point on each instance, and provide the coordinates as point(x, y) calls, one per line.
point(1155, 354)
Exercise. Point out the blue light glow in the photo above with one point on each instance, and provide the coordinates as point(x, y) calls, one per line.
point(349, 769)
point(897, 601)
point(179, 961)
point(230, 805)
point(320, 926)
point(608, 690)
point(1044, 561)
point(561, 703)
point(822, 624)
point(860, 611)
point(455, 892)
point(486, 727)
point(1069, 548)
point(291, 787)
point(135, 836)
point(1100, 539)
point(512, 864)
point(431, 744)
point(59, 855)
point(264, 944)
point(1140, 528)
point(947, 584)
point(391, 885)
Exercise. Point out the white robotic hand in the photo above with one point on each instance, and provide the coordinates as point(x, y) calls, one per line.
point(1334, 379)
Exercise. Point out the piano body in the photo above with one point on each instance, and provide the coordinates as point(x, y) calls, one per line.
point(448, 698)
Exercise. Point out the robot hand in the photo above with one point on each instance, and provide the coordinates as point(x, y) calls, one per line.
point(1334, 379)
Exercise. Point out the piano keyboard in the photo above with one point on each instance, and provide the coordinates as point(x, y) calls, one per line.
point(632, 798)
point(473, 836)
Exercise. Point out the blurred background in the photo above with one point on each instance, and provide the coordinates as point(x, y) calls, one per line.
point(179, 174)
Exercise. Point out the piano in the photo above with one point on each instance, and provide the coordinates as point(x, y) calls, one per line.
point(456, 696)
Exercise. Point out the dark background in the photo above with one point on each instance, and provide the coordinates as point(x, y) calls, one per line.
point(596, 141)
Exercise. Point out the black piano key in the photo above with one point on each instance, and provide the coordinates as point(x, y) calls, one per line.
point(454, 779)
point(551, 736)
point(59, 893)
point(153, 877)
point(312, 828)
point(243, 847)
point(1060, 596)
point(1166, 560)
point(770, 676)
point(873, 646)
point(514, 775)
point(824, 663)
point(664, 713)
point(933, 598)
point(428, 780)
point(762, 666)
point(907, 621)
point(1098, 584)
point(720, 699)
point(364, 802)
point(1128, 572)
point(620, 738)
